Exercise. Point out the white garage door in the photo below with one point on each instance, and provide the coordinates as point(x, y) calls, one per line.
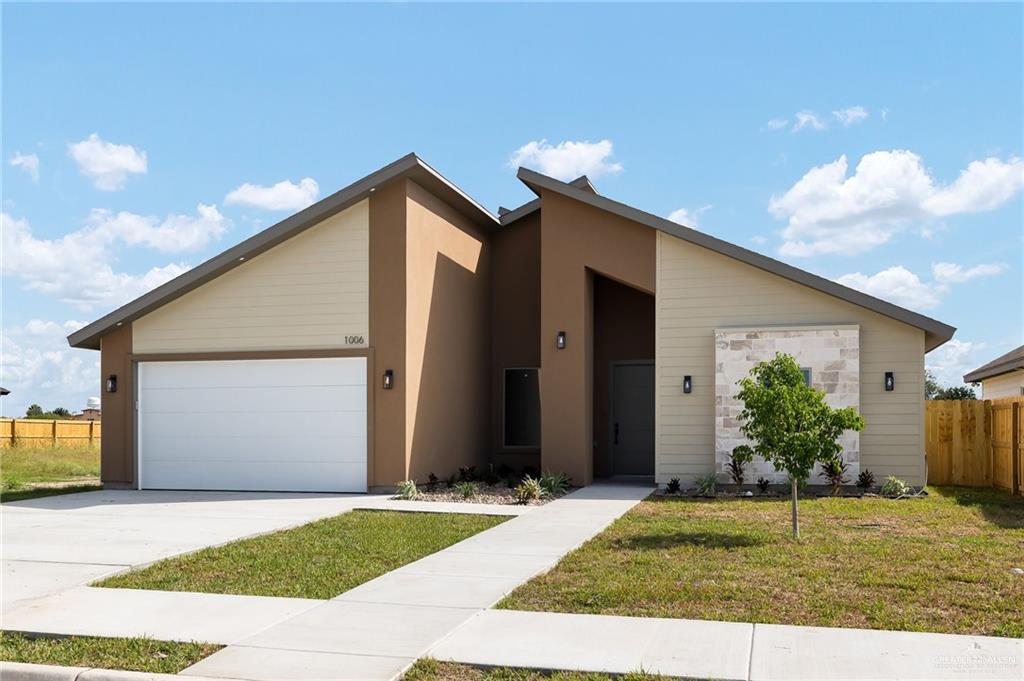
point(294, 425)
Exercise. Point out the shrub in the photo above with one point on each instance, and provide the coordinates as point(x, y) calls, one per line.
point(834, 471)
point(432, 481)
point(450, 481)
point(706, 485)
point(554, 484)
point(490, 477)
point(762, 484)
point(468, 474)
point(528, 490)
point(505, 471)
point(673, 486)
point(407, 489)
point(738, 460)
point(894, 487)
point(866, 480)
point(466, 489)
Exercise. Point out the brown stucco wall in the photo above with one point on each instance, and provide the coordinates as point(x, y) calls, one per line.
point(387, 331)
point(448, 306)
point(578, 240)
point(117, 468)
point(515, 323)
point(623, 330)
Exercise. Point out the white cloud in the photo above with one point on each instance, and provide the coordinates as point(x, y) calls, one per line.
point(897, 285)
point(807, 119)
point(687, 217)
point(758, 239)
point(27, 162)
point(952, 273)
point(778, 123)
point(953, 359)
point(285, 195)
point(901, 286)
point(173, 234)
point(39, 367)
point(75, 268)
point(105, 163)
point(830, 212)
point(851, 115)
point(567, 160)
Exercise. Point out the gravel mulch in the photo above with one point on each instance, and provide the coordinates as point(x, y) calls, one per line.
point(485, 494)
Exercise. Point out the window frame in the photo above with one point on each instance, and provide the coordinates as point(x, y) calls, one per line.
point(504, 409)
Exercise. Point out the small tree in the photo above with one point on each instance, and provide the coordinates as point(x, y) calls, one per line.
point(34, 411)
point(791, 425)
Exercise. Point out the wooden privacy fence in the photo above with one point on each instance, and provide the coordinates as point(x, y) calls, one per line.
point(46, 433)
point(975, 443)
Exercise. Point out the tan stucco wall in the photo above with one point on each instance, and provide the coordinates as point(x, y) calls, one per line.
point(515, 323)
point(699, 291)
point(311, 291)
point(117, 467)
point(447, 338)
point(577, 241)
point(1007, 385)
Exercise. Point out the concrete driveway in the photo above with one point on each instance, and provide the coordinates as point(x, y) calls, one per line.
point(60, 542)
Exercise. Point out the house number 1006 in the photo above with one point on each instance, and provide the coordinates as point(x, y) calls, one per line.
point(354, 340)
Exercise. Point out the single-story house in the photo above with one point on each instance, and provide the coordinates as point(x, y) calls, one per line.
point(1002, 377)
point(397, 328)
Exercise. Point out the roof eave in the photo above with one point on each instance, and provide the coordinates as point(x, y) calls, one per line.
point(992, 372)
point(409, 165)
point(936, 333)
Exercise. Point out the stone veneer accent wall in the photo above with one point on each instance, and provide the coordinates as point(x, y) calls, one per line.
point(832, 354)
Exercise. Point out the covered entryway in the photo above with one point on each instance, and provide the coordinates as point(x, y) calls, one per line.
point(295, 425)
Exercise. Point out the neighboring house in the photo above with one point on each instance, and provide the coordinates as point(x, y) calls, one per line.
point(1002, 377)
point(88, 415)
point(397, 328)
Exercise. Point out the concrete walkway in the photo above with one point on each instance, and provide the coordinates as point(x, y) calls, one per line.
point(725, 650)
point(379, 628)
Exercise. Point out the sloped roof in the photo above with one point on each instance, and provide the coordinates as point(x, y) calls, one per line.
point(410, 166)
point(936, 333)
point(1004, 364)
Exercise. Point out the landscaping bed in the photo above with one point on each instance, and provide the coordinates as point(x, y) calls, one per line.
point(484, 494)
point(318, 560)
point(432, 670)
point(493, 487)
point(941, 563)
point(130, 654)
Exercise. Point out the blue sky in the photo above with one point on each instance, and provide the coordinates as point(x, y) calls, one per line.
point(736, 119)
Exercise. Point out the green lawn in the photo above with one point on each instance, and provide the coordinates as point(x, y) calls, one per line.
point(131, 654)
point(318, 560)
point(432, 670)
point(23, 465)
point(37, 492)
point(938, 564)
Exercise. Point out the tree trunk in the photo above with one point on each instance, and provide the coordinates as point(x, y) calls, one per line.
point(796, 518)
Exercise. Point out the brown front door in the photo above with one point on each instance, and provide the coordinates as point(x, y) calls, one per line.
point(633, 418)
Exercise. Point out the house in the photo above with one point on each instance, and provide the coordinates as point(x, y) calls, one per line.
point(397, 328)
point(91, 412)
point(1002, 377)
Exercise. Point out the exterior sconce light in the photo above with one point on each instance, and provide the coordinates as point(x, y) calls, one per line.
point(389, 379)
point(687, 384)
point(890, 381)
point(111, 384)
point(560, 340)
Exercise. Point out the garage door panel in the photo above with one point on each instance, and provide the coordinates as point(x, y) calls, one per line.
point(234, 400)
point(275, 425)
point(258, 476)
point(273, 372)
point(259, 425)
point(190, 450)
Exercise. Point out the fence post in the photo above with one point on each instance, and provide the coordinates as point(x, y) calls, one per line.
point(92, 426)
point(1015, 447)
point(14, 430)
point(54, 436)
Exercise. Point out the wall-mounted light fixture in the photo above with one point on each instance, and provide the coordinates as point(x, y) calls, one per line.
point(890, 381)
point(389, 379)
point(111, 384)
point(560, 340)
point(687, 384)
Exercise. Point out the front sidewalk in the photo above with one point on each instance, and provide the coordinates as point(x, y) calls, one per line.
point(730, 651)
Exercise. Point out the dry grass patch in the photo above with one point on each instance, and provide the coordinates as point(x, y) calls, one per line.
point(940, 564)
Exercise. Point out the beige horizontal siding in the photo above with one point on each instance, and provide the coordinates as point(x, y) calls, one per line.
point(699, 290)
point(1007, 385)
point(306, 293)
